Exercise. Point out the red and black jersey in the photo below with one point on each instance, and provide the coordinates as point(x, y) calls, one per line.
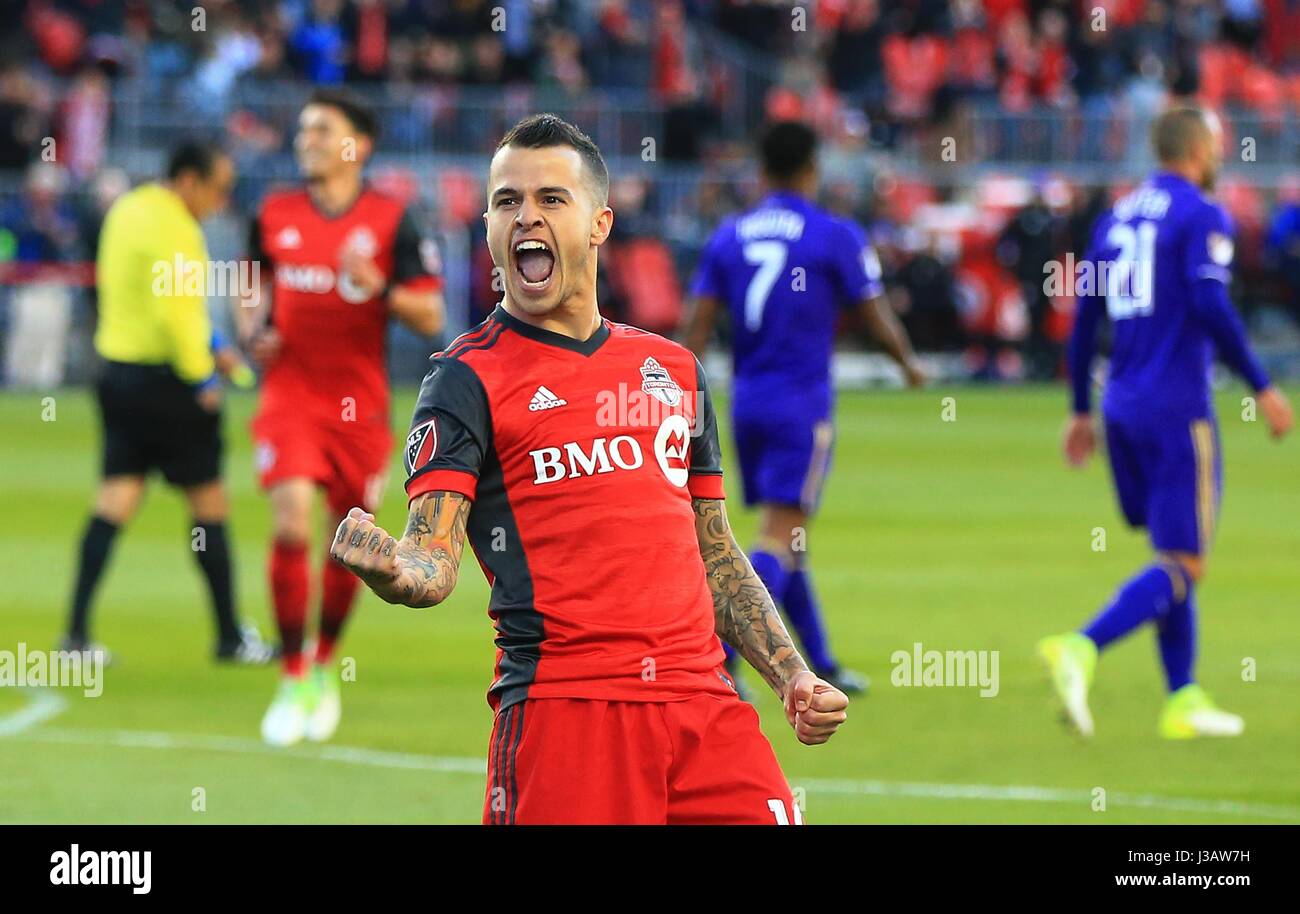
point(333, 334)
point(581, 458)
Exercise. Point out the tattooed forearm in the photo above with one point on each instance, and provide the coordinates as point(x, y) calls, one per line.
point(421, 568)
point(744, 614)
point(430, 549)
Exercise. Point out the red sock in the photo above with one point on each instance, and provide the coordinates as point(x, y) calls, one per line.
point(289, 584)
point(338, 593)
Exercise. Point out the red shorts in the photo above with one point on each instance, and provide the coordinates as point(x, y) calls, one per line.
point(350, 461)
point(702, 761)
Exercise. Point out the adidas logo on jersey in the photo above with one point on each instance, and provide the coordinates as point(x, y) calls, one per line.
point(545, 399)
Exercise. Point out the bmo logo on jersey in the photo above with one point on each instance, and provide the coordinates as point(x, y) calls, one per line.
point(305, 277)
point(622, 452)
point(320, 280)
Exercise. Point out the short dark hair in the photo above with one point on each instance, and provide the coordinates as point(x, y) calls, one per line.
point(359, 115)
point(194, 156)
point(540, 131)
point(1177, 130)
point(786, 149)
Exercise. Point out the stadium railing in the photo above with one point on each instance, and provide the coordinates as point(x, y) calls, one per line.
point(1093, 139)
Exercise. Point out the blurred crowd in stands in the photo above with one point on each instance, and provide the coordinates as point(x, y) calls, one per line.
point(852, 66)
point(964, 263)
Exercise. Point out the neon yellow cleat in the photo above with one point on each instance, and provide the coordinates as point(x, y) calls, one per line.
point(324, 714)
point(1190, 713)
point(286, 719)
point(1071, 661)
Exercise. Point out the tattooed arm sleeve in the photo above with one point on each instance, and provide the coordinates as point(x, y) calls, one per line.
point(426, 560)
point(744, 615)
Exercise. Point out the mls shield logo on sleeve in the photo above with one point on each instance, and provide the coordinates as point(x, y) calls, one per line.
point(420, 445)
point(656, 381)
point(1219, 247)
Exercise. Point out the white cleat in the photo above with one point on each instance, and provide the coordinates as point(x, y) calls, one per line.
point(285, 722)
point(1190, 713)
point(1071, 661)
point(1216, 723)
point(324, 717)
point(1074, 699)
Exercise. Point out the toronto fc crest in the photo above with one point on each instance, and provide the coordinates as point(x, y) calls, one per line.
point(656, 381)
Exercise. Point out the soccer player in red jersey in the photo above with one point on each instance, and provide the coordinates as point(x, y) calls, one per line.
point(341, 258)
point(580, 457)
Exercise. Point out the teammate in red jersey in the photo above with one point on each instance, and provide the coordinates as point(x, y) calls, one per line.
point(341, 259)
point(581, 459)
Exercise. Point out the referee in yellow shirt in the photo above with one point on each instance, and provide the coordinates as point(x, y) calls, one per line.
point(160, 392)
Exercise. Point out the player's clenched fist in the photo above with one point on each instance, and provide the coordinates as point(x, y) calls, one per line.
point(364, 549)
point(814, 707)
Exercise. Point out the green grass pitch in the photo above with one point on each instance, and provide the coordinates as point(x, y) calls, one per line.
point(962, 535)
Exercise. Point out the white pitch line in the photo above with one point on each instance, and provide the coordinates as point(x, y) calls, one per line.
point(43, 705)
point(348, 755)
point(1027, 794)
point(355, 755)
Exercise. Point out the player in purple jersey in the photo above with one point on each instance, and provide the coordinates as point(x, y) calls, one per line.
point(785, 270)
point(1161, 259)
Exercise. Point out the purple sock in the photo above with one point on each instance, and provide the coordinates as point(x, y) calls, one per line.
point(771, 571)
point(801, 609)
point(1146, 596)
point(1177, 639)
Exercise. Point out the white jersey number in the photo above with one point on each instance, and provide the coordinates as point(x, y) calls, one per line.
point(769, 257)
point(782, 818)
point(1130, 278)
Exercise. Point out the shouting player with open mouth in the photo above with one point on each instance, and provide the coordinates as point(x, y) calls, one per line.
point(614, 570)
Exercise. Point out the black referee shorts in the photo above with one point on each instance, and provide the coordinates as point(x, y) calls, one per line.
point(152, 420)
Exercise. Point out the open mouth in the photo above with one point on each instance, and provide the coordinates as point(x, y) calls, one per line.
point(535, 264)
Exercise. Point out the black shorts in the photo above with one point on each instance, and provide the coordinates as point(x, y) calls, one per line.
point(152, 420)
